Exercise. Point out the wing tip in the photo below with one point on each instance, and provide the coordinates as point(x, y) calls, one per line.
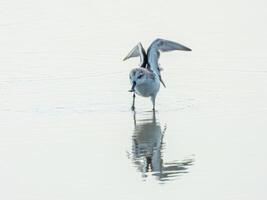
point(188, 49)
point(125, 58)
point(139, 45)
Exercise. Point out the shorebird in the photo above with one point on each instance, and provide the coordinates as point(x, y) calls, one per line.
point(146, 78)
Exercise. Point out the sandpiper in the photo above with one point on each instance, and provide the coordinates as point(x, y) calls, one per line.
point(146, 78)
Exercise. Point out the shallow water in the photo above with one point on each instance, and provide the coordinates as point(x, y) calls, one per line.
point(67, 131)
point(147, 151)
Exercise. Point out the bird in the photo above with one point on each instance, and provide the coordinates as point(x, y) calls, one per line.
point(146, 78)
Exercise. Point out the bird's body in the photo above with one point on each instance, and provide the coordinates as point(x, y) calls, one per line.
point(151, 84)
point(146, 79)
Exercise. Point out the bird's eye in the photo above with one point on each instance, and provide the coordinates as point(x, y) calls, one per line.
point(140, 76)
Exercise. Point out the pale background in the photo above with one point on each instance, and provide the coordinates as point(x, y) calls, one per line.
point(66, 127)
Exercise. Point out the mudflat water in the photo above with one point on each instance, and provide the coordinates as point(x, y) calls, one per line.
point(66, 128)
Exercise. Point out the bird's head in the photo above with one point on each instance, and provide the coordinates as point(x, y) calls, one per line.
point(137, 77)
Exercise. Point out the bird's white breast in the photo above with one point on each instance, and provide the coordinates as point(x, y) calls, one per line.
point(149, 88)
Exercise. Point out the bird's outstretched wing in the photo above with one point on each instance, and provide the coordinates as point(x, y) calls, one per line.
point(161, 45)
point(138, 50)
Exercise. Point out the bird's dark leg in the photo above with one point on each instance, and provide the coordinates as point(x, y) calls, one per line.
point(134, 118)
point(133, 102)
point(153, 99)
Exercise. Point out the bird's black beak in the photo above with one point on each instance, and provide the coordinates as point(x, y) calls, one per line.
point(133, 86)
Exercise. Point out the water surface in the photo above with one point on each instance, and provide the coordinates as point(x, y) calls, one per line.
point(67, 131)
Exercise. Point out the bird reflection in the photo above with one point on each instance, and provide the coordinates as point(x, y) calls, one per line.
point(147, 147)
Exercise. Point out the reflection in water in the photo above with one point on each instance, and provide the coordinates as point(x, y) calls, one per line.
point(147, 150)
